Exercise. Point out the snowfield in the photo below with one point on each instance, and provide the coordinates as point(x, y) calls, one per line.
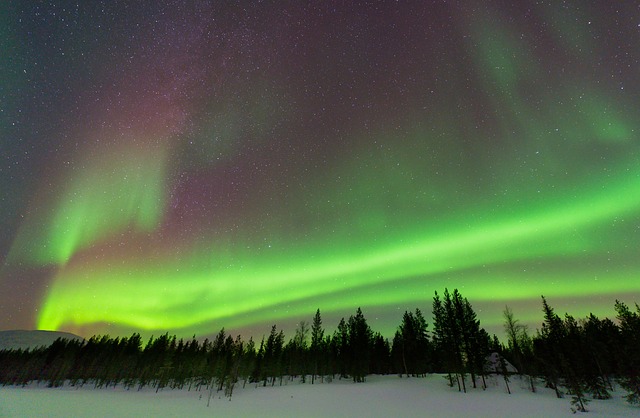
point(380, 396)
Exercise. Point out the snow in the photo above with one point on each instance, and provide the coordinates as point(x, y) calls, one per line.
point(493, 364)
point(380, 396)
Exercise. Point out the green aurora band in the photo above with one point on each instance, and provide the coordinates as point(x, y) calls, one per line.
point(183, 294)
point(108, 196)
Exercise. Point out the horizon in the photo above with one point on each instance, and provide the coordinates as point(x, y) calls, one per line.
point(257, 332)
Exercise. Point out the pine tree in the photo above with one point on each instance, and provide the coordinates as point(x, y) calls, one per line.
point(475, 339)
point(248, 363)
point(630, 333)
point(316, 349)
point(548, 347)
point(601, 339)
point(423, 345)
point(60, 357)
point(575, 363)
point(454, 329)
point(217, 363)
point(340, 348)
point(411, 346)
point(359, 346)
point(380, 362)
point(406, 339)
point(296, 352)
point(453, 326)
point(259, 372)
point(398, 354)
point(514, 331)
point(301, 350)
point(519, 346)
point(442, 339)
point(272, 360)
point(234, 359)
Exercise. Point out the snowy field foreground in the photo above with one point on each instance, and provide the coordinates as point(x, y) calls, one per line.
point(380, 396)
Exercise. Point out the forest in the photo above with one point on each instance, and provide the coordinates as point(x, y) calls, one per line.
point(580, 358)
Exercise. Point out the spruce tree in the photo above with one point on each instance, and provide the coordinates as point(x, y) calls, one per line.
point(630, 333)
point(380, 362)
point(475, 341)
point(602, 341)
point(234, 360)
point(452, 341)
point(519, 346)
point(359, 346)
point(411, 348)
point(301, 350)
point(514, 331)
point(340, 348)
point(575, 363)
point(248, 362)
point(406, 340)
point(317, 337)
point(272, 360)
point(442, 339)
point(259, 371)
point(548, 347)
point(453, 326)
point(423, 345)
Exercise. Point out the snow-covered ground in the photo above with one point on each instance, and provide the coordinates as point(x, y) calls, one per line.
point(380, 396)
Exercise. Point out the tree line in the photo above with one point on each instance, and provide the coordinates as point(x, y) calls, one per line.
point(581, 358)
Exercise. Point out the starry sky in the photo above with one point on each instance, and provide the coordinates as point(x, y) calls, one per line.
point(183, 166)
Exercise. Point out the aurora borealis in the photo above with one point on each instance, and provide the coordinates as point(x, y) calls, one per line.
point(184, 166)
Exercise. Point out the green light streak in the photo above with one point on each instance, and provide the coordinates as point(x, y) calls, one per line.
point(109, 195)
point(513, 78)
point(184, 293)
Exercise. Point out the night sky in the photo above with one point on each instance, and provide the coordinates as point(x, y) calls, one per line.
point(183, 166)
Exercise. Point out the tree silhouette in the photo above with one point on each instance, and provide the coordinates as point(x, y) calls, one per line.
point(317, 348)
point(579, 355)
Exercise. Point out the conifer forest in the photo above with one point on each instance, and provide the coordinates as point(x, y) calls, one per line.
point(579, 358)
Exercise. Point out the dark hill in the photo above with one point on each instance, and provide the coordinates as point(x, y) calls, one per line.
point(23, 339)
